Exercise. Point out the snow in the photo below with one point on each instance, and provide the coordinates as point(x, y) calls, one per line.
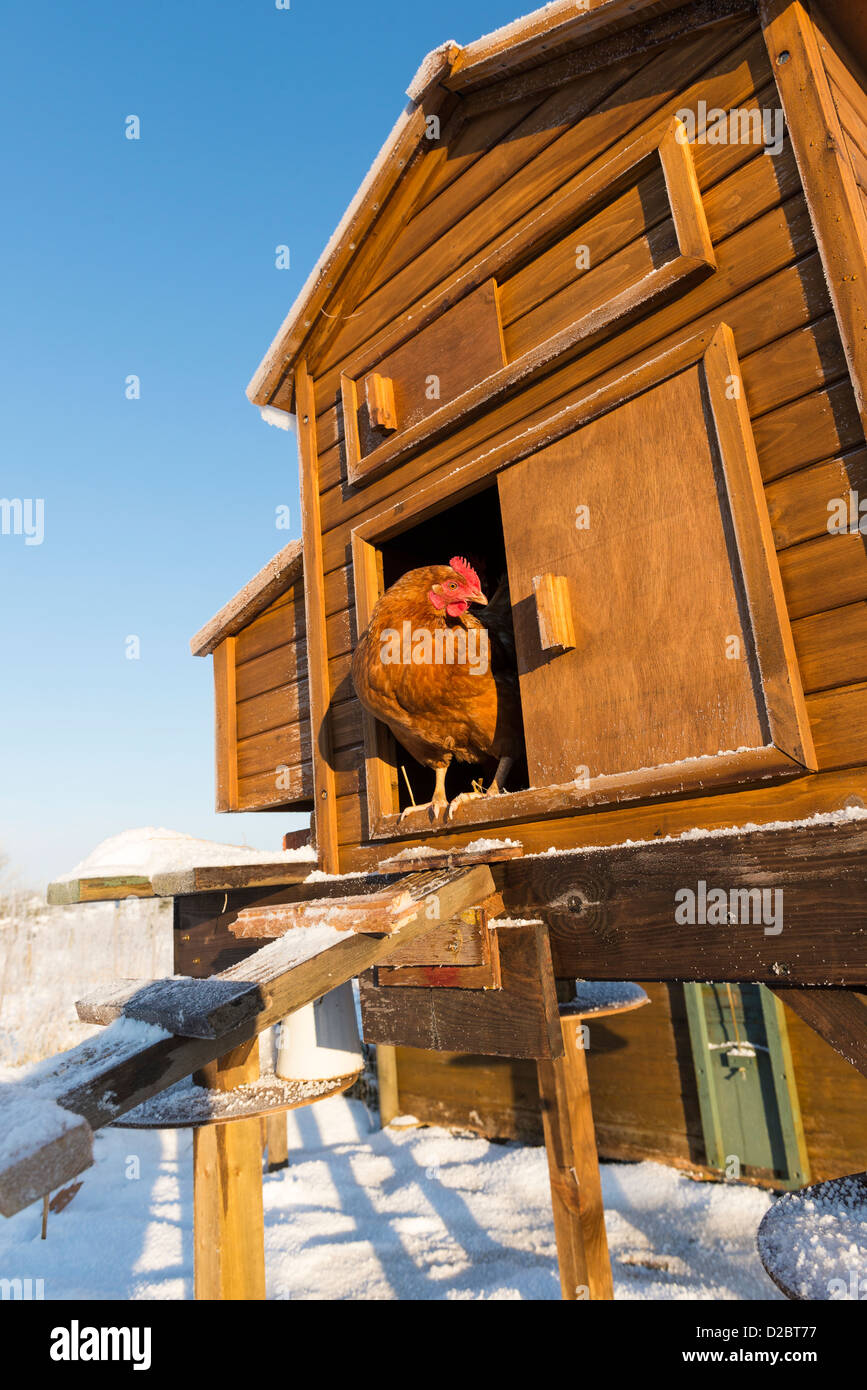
point(281, 419)
point(815, 1242)
point(430, 67)
point(120, 1041)
point(149, 851)
point(405, 1213)
point(184, 1103)
point(591, 996)
point(418, 852)
point(556, 11)
point(484, 846)
point(51, 956)
point(30, 1123)
point(299, 944)
point(844, 816)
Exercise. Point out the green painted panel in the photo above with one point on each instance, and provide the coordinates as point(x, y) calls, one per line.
point(749, 1104)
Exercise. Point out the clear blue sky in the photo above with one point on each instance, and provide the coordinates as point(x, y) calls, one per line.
point(156, 258)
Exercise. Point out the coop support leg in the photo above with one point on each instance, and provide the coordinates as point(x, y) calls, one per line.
point(227, 1191)
point(573, 1167)
point(386, 1077)
point(276, 1137)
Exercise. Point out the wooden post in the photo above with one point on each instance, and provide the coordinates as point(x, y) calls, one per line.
point(314, 608)
point(227, 1191)
point(386, 1077)
point(277, 1141)
point(573, 1166)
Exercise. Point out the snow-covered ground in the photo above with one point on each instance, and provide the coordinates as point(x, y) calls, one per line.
point(404, 1213)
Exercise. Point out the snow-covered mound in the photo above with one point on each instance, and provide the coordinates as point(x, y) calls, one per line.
point(149, 851)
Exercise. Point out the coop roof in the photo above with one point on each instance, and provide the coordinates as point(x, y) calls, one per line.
point(554, 34)
point(286, 568)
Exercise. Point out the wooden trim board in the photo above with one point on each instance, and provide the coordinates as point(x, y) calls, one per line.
point(325, 800)
point(836, 209)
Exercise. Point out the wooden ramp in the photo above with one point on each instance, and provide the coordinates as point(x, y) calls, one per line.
point(161, 1031)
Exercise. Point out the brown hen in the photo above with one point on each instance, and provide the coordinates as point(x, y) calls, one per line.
point(439, 679)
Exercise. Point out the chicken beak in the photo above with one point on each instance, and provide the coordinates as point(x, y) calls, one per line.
point(478, 598)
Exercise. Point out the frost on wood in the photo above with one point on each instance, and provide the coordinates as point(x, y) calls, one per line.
point(844, 816)
point(58, 1077)
point(814, 1243)
point(604, 996)
point(187, 1104)
point(41, 1146)
point(185, 1007)
point(288, 951)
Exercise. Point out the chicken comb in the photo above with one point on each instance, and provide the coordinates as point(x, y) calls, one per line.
point(466, 571)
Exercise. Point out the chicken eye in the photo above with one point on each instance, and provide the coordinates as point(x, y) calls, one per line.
point(452, 584)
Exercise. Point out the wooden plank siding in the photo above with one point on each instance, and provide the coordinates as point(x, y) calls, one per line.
point(848, 83)
point(271, 727)
point(505, 166)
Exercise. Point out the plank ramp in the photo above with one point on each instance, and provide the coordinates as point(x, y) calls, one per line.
point(378, 913)
point(131, 1060)
point(184, 1006)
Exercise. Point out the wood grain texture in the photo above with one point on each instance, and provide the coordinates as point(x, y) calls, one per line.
point(518, 1020)
point(829, 183)
point(229, 1223)
point(314, 604)
point(586, 306)
point(612, 910)
point(742, 265)
point(837, 1015)
point(647, 98)
point(432, 369)
point(225, 726)
point(593, 478)
point(573, 1170)
point(105, 1077)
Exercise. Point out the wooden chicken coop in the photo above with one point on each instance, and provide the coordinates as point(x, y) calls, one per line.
point(596, 321)
point(597, 318)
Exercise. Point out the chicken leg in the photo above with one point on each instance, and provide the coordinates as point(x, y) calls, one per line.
point(504, 767)
point(437, 805)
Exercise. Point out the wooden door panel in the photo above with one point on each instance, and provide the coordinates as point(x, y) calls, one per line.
point(649, 516)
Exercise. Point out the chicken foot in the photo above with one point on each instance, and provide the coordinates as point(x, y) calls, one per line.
point(438, 803)
point(504, 767)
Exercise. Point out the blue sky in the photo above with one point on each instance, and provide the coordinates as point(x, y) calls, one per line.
point(156, 258)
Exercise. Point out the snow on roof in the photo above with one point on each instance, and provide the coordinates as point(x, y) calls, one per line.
point(149, 851)
point(555, 12)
